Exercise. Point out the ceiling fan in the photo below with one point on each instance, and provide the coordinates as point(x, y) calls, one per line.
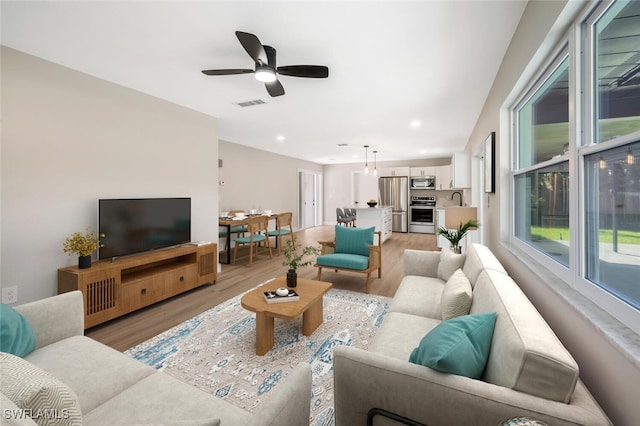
point(266, 69)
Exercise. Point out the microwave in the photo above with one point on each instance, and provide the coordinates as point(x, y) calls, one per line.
point(423, 182)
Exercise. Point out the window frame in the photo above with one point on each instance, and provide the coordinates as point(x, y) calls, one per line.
point(578, 44)
point(548, 68)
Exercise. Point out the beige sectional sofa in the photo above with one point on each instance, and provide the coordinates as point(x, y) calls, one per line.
point(110, 388)
point(528, 371)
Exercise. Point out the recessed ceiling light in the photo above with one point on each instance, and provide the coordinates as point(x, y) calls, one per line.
point(415, 123)
point(280, 138)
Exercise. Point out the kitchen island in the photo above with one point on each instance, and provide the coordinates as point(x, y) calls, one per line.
point(379, 217)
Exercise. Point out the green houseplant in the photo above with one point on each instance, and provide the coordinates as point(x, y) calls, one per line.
point(455, 236)
point(83, 245)
point(294, 258)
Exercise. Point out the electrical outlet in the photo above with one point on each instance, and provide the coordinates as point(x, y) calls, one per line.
point(10, 295)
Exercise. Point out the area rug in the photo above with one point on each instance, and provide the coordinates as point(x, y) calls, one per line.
point(215, 351)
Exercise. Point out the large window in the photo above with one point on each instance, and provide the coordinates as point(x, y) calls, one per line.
point(541, 189)
point(612, 172)
point(543, 120)
point(617, 70)
point(613, 222)
point(586, 141)
point(542, 210)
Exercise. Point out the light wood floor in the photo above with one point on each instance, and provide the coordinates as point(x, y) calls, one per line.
point(134, 328)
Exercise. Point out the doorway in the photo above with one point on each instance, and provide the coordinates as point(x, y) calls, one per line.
point(309, 198)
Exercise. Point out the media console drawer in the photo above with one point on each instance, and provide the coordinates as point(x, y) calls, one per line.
point(142, 293)
point(111, 289)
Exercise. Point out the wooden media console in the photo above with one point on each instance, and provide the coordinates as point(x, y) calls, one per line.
point(114, 288)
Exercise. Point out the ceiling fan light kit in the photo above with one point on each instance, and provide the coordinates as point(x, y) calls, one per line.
point(266, 72)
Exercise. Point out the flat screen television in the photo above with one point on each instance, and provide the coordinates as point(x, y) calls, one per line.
point(142, 224)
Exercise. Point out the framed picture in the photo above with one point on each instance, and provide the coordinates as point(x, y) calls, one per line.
point(490, 163)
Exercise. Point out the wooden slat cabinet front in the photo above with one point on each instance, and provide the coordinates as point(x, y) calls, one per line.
point(115, 288)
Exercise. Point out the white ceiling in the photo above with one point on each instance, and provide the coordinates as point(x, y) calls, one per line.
point(390, 63)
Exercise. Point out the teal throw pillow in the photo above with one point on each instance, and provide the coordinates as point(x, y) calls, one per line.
point(354, 240)
point(16, 335)
point(458, 346)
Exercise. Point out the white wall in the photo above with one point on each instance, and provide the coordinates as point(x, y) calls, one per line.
point(256, 179)
point(69, 139)
point(611, 375)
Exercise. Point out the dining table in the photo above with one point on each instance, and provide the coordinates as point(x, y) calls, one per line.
point(228, 221)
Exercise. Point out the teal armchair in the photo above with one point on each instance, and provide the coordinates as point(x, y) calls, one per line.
point(352, 250)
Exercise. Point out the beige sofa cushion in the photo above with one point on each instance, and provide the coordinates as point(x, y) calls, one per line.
point(456, 296)
point(81, 355)
point(167, 400)
point(418, 296)
point(525, 353)
point(449, 263)
point(479, 257)
point(48, 400)
point(400, 333)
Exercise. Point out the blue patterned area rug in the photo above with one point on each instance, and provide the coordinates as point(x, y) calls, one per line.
point(215, 351)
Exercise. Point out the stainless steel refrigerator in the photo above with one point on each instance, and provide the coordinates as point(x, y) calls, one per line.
point(394, 192)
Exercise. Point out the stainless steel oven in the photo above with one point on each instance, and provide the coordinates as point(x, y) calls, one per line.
point(422, 214)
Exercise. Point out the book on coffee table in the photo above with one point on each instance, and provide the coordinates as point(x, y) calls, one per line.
point(273, 297)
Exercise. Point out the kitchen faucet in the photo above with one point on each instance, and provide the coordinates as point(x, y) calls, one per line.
point(460, 194)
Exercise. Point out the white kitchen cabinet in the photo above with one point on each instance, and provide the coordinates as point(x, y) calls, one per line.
point(423, 171)
point(393, 171)
point(443, 178)
point(378, 217)
point(461, 170)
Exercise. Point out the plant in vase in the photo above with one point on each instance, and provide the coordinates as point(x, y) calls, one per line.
point(294, 258)
point(83, 245)
point(455, 236)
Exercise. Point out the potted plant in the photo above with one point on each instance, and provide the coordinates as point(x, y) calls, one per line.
point(83, 245)
point(294, 258)
point(455, 236)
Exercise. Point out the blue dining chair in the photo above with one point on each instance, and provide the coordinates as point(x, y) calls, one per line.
point(257, 229)
point(283, 220)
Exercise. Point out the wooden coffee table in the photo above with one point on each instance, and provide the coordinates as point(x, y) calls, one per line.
point(309, 305)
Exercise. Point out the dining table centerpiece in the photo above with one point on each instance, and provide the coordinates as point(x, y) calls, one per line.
point(83, 244)
point(296, 256)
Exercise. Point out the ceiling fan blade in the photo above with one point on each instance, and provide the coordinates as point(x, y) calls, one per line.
point(308, 71)
point(274, 88)
point(271, 55)
point(252, 45)
point(227, 72)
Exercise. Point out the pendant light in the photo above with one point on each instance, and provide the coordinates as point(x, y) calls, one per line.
point(375, 163)
point(366, 159)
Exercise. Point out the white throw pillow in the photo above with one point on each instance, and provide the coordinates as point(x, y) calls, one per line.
point(46, 399)
point(449, 262)
point(456, 296)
